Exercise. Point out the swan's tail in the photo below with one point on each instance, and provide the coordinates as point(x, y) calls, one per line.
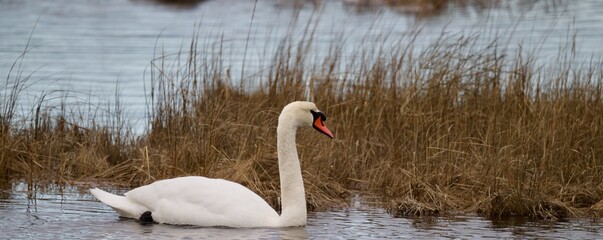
point(120, 204)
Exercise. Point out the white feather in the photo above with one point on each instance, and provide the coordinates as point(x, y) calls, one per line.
point(217, 202)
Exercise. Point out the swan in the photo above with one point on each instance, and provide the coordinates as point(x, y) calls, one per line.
point(202, 201)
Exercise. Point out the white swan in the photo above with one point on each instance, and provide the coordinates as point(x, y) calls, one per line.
point(217, 202)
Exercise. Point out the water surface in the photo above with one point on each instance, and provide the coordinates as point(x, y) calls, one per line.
point(69, 212)
point(83, 51)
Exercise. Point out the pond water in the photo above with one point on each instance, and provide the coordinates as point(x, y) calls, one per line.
point(70, 212)
point(82, 52)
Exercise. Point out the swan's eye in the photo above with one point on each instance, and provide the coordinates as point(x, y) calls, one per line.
point(318, 114)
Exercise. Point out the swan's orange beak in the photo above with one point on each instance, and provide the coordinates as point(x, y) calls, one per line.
point(321, 127)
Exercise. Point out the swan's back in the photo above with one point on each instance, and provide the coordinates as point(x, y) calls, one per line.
point(205, 202)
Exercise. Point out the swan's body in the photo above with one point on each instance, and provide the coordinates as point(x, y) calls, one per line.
point(194, 200)
point(217, 202)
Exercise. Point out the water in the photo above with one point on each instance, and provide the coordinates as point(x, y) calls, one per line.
point(82, 51)
point(85, 51)
point(70, 212)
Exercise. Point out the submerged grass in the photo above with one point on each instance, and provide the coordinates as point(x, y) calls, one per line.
point(452, 128)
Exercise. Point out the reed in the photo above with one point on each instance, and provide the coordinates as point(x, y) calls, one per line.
point(451, 128)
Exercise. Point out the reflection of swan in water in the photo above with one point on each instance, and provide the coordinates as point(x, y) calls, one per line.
point(217, 202)
point(293, 233)
point(195, 232)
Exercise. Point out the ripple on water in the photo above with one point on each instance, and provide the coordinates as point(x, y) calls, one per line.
point(80, 52)
point(70, 212)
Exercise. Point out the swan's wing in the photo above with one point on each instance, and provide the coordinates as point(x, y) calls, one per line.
point(205, 202)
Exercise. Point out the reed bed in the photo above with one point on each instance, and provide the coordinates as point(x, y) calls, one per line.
point(452, 128)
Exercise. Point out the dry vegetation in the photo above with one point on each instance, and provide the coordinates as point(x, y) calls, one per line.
point(453, 128)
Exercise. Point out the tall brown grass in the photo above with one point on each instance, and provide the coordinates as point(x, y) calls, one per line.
point(452, 128)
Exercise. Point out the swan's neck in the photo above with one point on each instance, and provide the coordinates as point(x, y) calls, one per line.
point(293, 199)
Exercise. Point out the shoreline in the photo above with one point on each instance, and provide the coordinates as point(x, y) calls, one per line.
point(451, 129)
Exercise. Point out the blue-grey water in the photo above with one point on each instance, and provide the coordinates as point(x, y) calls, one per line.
point(70, 212)
point(87, 51)
point(82, 52)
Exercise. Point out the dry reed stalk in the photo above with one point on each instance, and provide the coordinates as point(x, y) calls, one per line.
point(452, 128)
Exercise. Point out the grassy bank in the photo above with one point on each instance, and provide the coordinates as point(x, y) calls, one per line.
point(452, 128)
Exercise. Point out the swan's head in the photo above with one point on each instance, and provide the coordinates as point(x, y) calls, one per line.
point(306, 114)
